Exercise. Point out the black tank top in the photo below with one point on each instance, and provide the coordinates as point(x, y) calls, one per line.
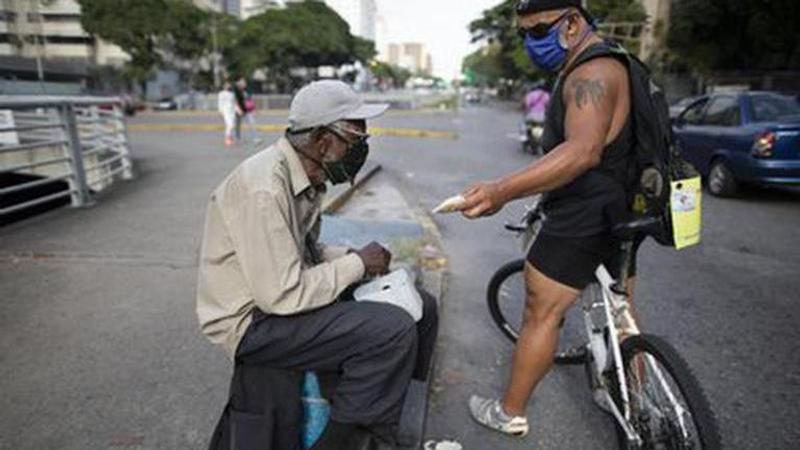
point(591, 203)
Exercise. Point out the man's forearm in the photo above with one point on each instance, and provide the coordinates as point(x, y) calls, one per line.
point(564, 164)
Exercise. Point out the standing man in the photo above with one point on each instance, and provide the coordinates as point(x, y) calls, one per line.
point(241, 105)
point(269, 293)
point(588, 141)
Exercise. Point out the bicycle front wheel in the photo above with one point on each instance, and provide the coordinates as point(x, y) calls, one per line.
point(506, 298)
point(669, 410)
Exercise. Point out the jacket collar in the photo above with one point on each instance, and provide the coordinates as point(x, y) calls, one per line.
point(299, 178)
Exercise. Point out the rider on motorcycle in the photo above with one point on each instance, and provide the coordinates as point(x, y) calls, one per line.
point(536, 102)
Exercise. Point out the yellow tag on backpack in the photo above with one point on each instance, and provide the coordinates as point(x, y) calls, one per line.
point(686, 205)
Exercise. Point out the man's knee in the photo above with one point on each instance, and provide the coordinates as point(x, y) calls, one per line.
point(547, 299)
point(387, 324)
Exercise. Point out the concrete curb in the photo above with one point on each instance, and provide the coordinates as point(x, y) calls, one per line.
point(432, 278)
point(432, 275)
point(338, 199)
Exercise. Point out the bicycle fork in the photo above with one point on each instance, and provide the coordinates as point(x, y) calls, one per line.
point(604, 348)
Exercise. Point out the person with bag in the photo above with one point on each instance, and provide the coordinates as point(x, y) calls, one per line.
point(245, 109)
point(588, 143)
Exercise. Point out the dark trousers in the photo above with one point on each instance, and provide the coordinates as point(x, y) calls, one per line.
point(375, 348)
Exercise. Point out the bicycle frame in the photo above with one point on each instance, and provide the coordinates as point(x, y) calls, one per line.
point(604, 346)
point(606, 316)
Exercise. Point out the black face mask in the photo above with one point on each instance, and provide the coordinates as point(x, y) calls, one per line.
point(346, 168)
point(349, 165)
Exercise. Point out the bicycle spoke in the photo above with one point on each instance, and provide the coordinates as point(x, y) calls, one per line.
point(658, 415)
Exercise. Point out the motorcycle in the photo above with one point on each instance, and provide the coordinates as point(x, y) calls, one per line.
point(531, 136)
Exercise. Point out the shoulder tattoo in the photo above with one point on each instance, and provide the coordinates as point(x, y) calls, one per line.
point(588, 91)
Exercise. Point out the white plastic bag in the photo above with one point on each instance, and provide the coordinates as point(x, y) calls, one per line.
point(397, 289)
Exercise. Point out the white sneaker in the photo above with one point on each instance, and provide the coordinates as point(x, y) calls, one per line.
point(489, 413)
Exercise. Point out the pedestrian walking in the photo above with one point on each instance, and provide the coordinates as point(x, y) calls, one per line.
point(246, 108)
point(226, 105)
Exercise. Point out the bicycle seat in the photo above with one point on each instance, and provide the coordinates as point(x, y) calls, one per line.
point(627, 231)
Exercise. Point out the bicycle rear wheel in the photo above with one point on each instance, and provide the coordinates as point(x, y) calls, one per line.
point(668, 408)
point(506, 297)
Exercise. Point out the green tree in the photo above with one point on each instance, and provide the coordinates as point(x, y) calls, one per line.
point(154, 33)
point(188, 37)
point(305, 34)
point(364, 50)
point(711, 35)
point(387, 73)
point(134, 26)
point(486, 65)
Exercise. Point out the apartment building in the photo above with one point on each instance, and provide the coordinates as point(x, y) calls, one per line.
point(243, 9)
point(361, 15)
point(412, 56)
point(51, 30)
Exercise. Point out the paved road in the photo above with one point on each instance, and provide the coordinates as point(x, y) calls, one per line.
point(730, 305)
point(99, 344)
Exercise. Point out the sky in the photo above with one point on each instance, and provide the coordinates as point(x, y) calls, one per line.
point(440, 24)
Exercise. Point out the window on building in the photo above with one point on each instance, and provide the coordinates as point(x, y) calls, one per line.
point(69, 40)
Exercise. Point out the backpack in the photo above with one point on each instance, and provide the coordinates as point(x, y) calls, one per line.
point(656, 161)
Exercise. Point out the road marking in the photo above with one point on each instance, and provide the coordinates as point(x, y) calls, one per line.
point(285, 113)
point(275, 129)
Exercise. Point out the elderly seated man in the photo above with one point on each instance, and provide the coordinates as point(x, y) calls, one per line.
point(272, 297)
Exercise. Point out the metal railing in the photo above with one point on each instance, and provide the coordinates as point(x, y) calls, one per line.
point(80, 142)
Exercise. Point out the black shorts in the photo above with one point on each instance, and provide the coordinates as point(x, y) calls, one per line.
point(572, 261)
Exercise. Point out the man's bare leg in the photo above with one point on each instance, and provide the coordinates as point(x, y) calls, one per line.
point(547, 303)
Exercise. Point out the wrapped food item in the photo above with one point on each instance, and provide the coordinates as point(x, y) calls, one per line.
point(451, 205)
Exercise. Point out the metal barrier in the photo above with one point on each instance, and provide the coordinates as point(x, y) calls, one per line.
point(78, 140)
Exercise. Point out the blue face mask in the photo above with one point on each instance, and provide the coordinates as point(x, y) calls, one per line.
point(548, 53)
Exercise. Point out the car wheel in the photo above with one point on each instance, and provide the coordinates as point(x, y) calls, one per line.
point(721, 181)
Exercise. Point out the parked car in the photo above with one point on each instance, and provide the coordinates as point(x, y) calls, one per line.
point(678, 107)
point(166, 104)
point(743, 137)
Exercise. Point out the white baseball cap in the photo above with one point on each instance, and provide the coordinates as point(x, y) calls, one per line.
point(322, 103)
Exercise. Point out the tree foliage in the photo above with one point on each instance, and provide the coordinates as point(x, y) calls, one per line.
point(735, 34)
point(391, 75)
point(170, 33)
point(305, 34)
point(132, 26)
point(155, 33)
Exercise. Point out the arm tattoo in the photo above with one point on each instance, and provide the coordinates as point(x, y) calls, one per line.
point(588, 91)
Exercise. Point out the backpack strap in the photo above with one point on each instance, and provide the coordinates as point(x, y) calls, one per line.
point(599, 50)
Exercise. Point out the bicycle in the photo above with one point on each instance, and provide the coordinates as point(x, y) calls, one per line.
point(639, 379)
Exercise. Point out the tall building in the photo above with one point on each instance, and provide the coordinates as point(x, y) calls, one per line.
point(412, 56)
point(381, 36)
point(361, 15)
point(51, 30)
point(44, 41)
point(250, 8)
point(243, 9)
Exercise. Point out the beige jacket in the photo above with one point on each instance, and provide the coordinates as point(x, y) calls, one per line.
point(255, 252)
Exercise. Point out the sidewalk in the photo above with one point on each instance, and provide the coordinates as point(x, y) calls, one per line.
point(98, 335)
